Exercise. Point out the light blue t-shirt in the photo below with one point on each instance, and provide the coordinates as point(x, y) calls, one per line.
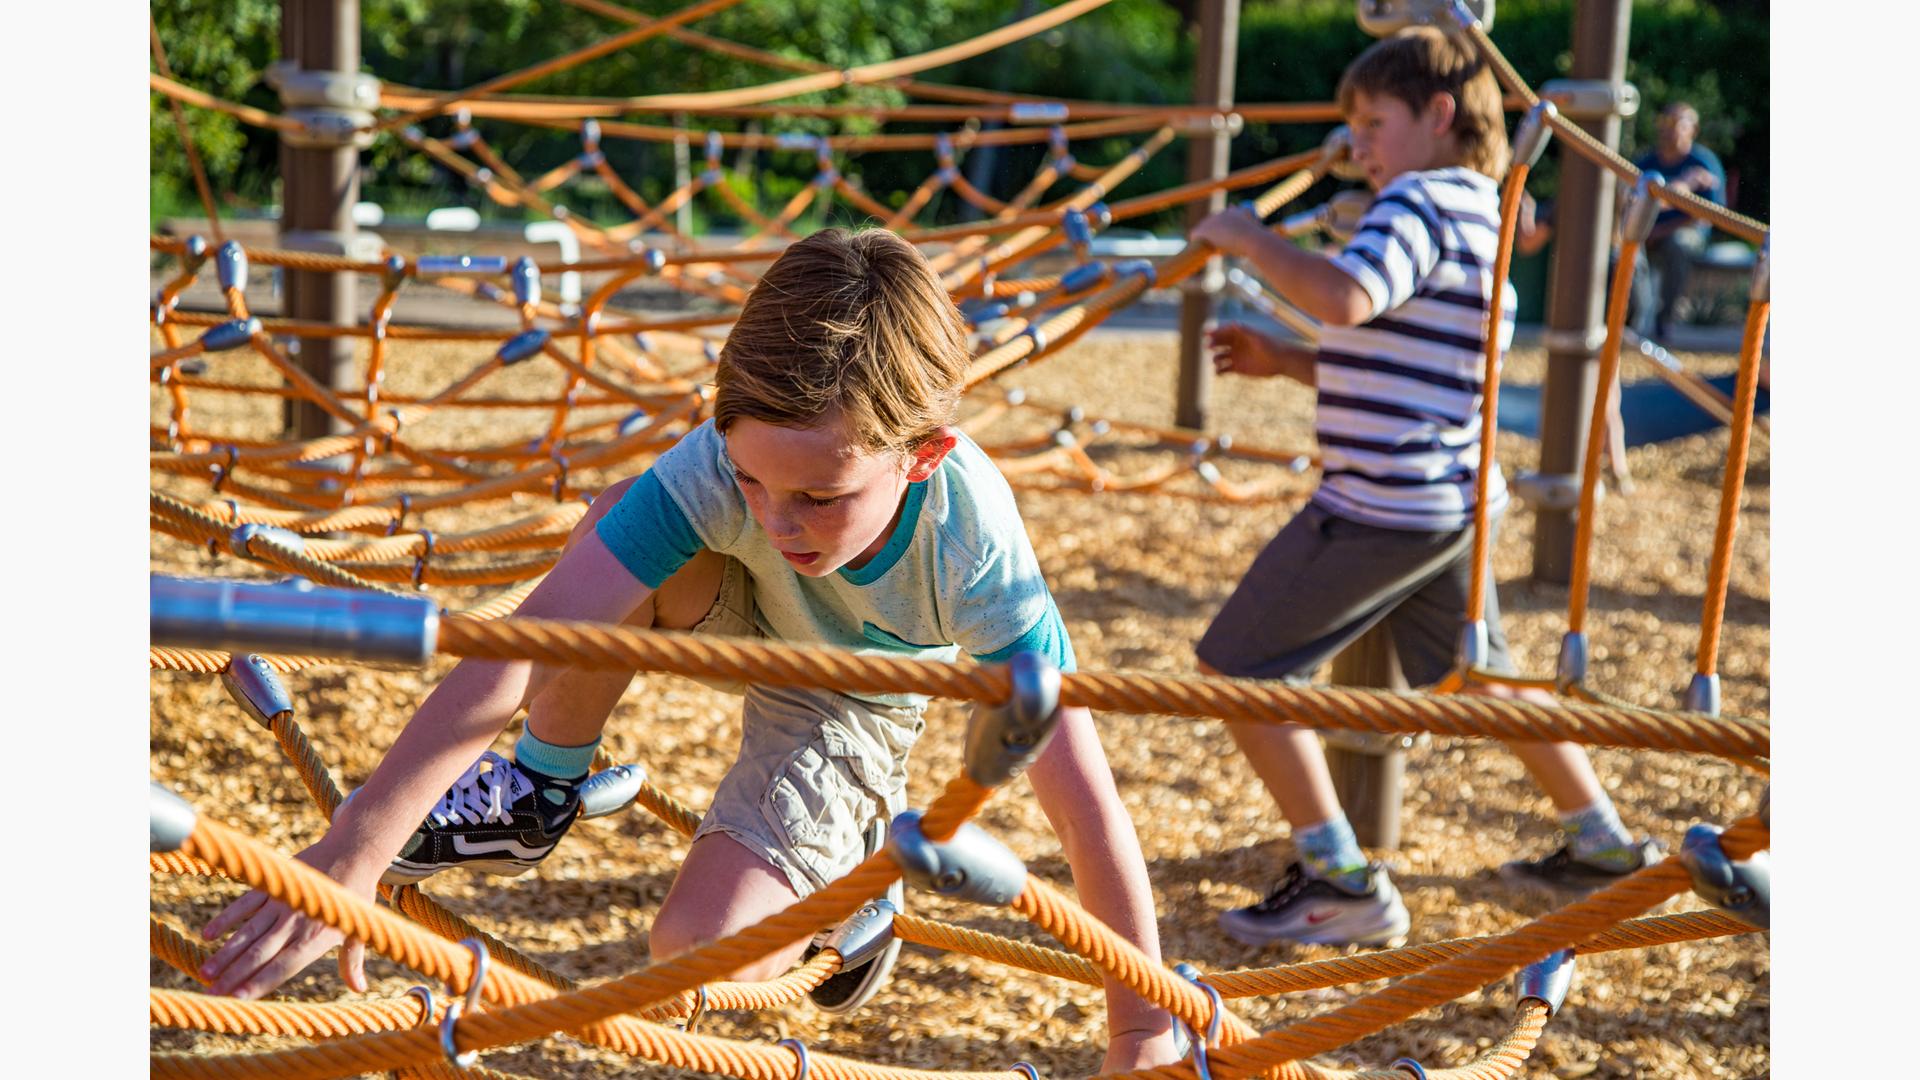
point(958, 574)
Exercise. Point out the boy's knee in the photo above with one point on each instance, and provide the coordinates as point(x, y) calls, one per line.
point(669, 937)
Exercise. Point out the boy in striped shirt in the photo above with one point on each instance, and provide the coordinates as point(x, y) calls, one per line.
point(1388, 535)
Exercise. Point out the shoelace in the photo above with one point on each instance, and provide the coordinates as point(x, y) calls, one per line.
point(1283, 893)
point(485, 793)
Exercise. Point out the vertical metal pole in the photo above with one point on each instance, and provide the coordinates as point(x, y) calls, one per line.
point(1575, 309)
point(318, 187)
point(682, 174)
point(1206, 160)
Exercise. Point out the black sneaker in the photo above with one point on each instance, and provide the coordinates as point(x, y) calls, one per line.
point(498, 818)
point(1564, 875)
point(868, 936)
point(1308, 910)
point(865, 941)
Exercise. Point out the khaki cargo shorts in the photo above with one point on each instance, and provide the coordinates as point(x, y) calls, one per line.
point(819, 773)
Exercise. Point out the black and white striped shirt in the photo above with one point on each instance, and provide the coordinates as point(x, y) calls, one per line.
point(1398, 412)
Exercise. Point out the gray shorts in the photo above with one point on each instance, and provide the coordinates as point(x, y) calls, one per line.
point(1326, 580)
point(819, 773)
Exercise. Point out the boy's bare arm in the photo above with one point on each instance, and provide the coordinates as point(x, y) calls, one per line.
point(1076, 790)
point(459, 719)
point(1310, 280)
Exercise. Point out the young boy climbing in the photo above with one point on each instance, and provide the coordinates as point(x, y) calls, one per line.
point(827, 501)
point(1388, 534)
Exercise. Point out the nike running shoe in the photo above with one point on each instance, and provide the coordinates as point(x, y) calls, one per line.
point(498, 818)
point(1563, 874)
point(1309, 911)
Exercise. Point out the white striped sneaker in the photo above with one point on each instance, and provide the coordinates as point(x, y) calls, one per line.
point(1310, 911)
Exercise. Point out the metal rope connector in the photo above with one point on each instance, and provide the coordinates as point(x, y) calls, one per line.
point(1197, 1047)
point(589, 135)
point(1471, 650)
point(229, 335)
point(240, 541)
point(1761, 290)
point(1572, 669)
point(425, 994)
point(1083, 277)
point(230, 262)
point(522, 345)
point(1038, 335)
point(170, 819)
point(1703, 694)
point(195, 256)
point(1535, 131)
point(971, 866)
point(395, 273)
point(799, 1051)
point(864, 934)
point(611, 790)
point(526, 281)
point(989, 312)
point(252, 684)
point(420, 561)
point(1079, 232)
point(1637, 218)
point(1002, 740)
point(470, 1004)
point(699, 1009)
point(1140, 268)
point(1742, 889)
point(1546, 980)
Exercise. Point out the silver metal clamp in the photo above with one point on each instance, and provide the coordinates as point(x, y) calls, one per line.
point(1742, 889)
point(256, 688)
point(1002, 740)
point(971, 866)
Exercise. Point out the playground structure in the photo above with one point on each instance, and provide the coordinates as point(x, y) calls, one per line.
point(628, 386)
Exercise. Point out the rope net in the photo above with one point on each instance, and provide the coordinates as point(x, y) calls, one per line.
point(586, 393)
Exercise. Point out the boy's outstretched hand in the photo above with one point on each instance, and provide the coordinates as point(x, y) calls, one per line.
point(1228, 230)
point(1242, 350)
point(271, 942)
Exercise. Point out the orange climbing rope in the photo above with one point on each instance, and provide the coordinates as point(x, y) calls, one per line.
point(595, 645)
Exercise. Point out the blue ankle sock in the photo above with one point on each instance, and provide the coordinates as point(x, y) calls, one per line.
point(559, 762)
point(1598, 837)
point(1331, 853)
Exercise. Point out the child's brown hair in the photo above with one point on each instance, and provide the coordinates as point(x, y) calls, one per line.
point(853, 323)
point(1419, 62)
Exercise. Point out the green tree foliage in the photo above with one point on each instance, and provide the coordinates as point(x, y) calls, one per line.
point(1130, 50)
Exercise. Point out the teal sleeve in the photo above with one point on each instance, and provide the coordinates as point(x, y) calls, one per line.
point(1048, 636)
point(648, 533)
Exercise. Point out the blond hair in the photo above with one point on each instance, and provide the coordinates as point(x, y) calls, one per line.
point(850, 323)
point(1419, 62)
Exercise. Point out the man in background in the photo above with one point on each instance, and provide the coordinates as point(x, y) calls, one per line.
point(1677, 238)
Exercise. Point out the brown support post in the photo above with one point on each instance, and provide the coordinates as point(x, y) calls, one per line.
point(1206, 160)
point(1583, 230)
point(1368, 769)
point(319, 185)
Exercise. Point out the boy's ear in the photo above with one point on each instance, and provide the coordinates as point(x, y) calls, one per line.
point(933, 450)
point(1440, 110)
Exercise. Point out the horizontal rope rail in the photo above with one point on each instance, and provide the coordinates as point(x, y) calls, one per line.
point(601, 646)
